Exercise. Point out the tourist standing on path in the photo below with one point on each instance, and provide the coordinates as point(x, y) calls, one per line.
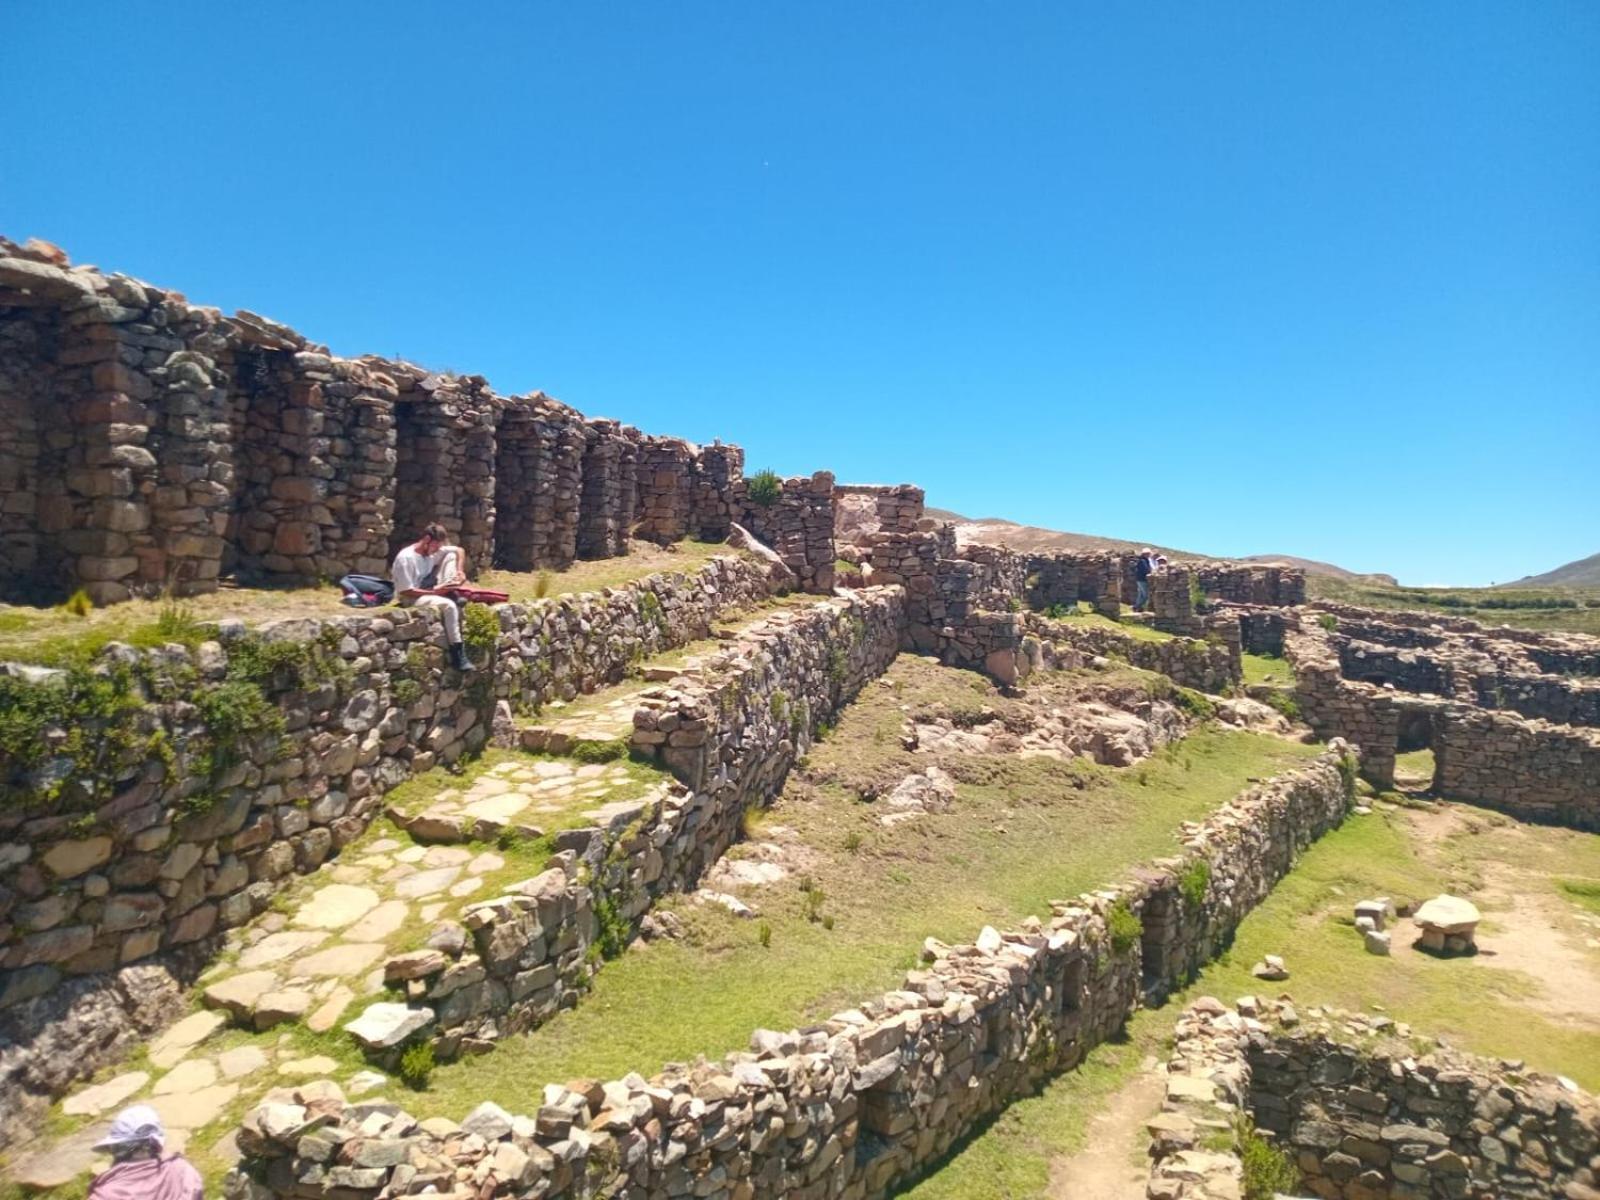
point(138, 1169)
point(1144, 566)
point(422, 574)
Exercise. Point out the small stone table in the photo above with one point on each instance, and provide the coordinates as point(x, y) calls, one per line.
point(1448, 925)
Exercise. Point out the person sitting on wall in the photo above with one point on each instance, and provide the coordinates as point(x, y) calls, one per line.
point(426, 574)
point(138, 1170)
point(1143, 567)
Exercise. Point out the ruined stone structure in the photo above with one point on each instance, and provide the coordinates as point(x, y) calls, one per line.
point(157, 445)
point(729, 735)
point(1508, 714)
point(187, 843)
point(854, 1105)
point(1362, 1113)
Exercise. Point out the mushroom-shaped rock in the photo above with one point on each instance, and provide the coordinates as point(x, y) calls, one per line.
point(1448, 924)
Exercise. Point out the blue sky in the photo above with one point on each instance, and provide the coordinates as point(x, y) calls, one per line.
point(1237, 278)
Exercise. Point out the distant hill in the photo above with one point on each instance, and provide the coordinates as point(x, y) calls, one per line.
point(1585, 572)
point(995, 531)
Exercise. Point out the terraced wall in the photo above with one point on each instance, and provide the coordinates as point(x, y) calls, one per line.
point(856, 1104)
point(164, 793)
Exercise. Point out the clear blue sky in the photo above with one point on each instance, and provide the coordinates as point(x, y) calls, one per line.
point(1317, 279)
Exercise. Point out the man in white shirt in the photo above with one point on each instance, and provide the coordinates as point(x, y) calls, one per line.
point(423, 573)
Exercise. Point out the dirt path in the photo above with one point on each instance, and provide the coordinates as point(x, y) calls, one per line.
point(1108, 1167)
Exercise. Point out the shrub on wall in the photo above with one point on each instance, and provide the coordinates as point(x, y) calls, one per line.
point(763, 488)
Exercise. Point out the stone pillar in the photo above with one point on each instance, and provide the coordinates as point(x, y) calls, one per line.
point(606, 493)
point(718, 471)
point(445, 459)
point(665, 482)
point(539, 466)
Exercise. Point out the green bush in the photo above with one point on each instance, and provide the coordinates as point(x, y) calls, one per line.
point(1268, 1169)
point(600, 752)
point(79, 604)
point(763, 488)
point(650, 608)
point(611, 936)
point(406, 692)
point(1194, 881)
point(1124, 926)
point(764, 935)
point(542, 582)
point(778, 705)
point(480, 628)
point(416, 1065)
point(1349, 770)
point(1328, 621)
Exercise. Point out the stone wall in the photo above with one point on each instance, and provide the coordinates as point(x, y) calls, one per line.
point(730, 734)
point(798, 525)
point(1281, 587)
point(1362, 1113)
point(851, 1106)
point(1534, 770)
point(156, 446)
point(864, 509)
point(1190, 662)
point(143, 832)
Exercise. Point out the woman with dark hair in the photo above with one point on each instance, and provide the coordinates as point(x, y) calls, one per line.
point(139, 1171)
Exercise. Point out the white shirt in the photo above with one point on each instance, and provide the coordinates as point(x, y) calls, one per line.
point(411, 568)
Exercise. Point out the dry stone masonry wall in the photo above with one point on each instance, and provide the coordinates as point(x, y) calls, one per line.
point(1362, 1113)
point(847, 1108)
point(158, 445)
point(730, 734)
point(141, 833)
point(1504, 731)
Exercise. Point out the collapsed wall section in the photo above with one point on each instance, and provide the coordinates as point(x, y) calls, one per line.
point(847, 1108)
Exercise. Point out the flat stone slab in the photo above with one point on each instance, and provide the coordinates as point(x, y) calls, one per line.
point(93, 1101)
point(385, 1024)
point(345, 959)
point(496, 808)
point(239, 994)
point(190, 1110)
point(378, 924)
point(63, 1162)
point(241, 1061)
point(330, 1010)
point(426, 883)
point(183, 1037)
point(276, 947)
point(187, 1076)
point(337, 905)
point(1448, 914)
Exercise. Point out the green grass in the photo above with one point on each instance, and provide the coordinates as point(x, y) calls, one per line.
point(1583, 892)
point(1134, 629)
point(1418, 764)
point(1576, 609)
point(1023, 831)
point(1266, 669)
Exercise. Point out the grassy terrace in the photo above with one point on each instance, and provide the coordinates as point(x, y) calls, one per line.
point(850, 919)
point(54, 636)
point(1538, 887)
point(1574, 609)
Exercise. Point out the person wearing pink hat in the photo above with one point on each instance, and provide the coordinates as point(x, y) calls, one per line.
point(139, 1171)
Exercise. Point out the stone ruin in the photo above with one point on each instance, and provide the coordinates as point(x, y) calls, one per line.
point(1512, 715)
point(159, 447)
point(156, 446)
point(1362, 1113)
